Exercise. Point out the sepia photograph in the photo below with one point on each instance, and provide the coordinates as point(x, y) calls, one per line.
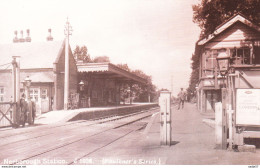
point(129, 83)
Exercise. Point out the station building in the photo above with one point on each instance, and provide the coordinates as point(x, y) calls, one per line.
point(239, 39)
point(44, 63)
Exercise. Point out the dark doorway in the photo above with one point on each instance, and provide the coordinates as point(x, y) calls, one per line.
point(257, 55)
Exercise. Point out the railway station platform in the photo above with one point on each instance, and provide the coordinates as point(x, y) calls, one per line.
point(62, 116)
point(133, 140)
point(193, 143)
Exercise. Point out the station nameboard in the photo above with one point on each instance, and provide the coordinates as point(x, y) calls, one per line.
point(248, 107)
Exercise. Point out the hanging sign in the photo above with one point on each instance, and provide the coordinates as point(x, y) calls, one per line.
point(248, 107)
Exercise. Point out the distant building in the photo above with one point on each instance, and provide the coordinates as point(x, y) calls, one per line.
point(238, 38)
point(43, 62)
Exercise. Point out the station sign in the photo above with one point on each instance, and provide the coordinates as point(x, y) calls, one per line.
point(248, 107)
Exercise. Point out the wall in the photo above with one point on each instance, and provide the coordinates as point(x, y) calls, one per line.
point(6, 79)
point(59, 69)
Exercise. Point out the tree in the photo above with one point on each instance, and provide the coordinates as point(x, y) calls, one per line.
point(81, 53)
point(101, 59)
point(194, 77)
point(141, 92)
point(211, 13)
point(124, 67)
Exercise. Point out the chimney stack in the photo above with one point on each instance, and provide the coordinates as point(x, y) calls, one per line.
point(49, 38)
point(28, 38)
point(15, 40)
point(21, 39)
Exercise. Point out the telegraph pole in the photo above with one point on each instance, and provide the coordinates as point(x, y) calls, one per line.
point(67, 32)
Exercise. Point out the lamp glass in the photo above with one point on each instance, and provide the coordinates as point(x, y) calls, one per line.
point(81, 85)
point(223, 63)
point(27, 81)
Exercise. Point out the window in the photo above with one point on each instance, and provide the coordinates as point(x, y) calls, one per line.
point(34, 94)
point(240, 56)
point(2, 92)
point(209, 62)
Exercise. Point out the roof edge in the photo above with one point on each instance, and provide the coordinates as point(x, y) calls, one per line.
point(219, 29)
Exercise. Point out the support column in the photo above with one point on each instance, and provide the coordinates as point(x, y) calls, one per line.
point(130, 94)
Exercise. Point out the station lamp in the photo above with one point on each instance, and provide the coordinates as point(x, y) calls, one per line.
point(223, 61)
point(81, 85)
point(27, 81)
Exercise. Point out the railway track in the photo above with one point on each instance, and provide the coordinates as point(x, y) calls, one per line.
point(54, 141)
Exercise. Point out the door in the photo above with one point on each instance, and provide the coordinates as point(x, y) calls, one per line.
point(44, 100)
point(257, 55)
point(41, 99)
point(35, 96)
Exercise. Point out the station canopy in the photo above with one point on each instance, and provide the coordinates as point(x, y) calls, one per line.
point(108, 70)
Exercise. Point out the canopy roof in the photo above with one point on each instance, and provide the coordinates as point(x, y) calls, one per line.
point(109, 70)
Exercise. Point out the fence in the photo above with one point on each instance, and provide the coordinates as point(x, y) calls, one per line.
point(6, 114)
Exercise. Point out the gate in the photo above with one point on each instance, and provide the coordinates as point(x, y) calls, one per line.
point(6, 115)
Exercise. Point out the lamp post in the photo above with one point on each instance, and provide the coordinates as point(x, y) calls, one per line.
point(81, 85)
point(223, 61)
point(27, 83)
point(81, 89)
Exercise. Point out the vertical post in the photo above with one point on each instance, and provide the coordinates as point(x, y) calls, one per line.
point(66, 75)
point(14, 65)
point(216, 77)
point(224, 118)
point(17, 80)
point(17, 77)
point(165, 117)
point(130, 94)
point(218, 125)
point(230, 126)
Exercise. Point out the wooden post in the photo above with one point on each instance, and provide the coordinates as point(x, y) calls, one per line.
point(17, 93)
point(230, 128)
point(14, 64)
point(130, 94)
point(218, 125)
point(216, 77)
point(224, 118)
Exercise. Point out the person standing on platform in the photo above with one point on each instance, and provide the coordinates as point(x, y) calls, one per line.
point(181, 97)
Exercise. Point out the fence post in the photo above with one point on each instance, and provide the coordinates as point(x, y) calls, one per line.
point(218, 125)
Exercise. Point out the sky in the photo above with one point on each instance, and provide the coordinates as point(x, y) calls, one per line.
point(155, 36)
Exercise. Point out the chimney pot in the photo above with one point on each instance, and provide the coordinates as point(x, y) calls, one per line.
point(49, 38)
point(15, 40)
point(21, 39)
point(28, 38)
